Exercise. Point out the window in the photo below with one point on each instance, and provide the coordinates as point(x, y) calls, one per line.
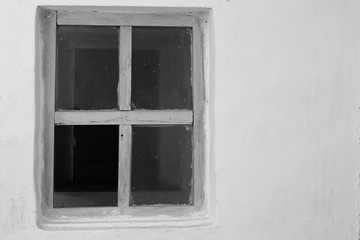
point(123, 117)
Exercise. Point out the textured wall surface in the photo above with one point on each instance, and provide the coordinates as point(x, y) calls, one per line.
point(286, 98)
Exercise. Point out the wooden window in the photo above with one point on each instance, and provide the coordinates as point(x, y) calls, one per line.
point(123, 117)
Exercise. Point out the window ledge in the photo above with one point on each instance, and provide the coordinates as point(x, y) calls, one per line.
point(113, 218)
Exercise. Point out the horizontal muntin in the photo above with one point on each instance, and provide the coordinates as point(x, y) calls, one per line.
point(135, 117)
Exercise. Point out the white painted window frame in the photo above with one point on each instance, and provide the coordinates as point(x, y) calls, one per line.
point(123, 215)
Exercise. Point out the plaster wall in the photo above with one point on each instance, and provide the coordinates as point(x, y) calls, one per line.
point(285, 95)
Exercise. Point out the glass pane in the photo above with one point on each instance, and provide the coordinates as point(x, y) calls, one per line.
point(86, 166)
point(161, 68)
point(87, 68)
point(161, 167)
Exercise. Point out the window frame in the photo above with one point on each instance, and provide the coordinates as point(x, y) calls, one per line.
point(123, 215)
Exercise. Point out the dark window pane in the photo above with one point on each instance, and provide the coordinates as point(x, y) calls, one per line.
point(161, 167)
point(87, 68)
point(161, 68)
point(86, 166)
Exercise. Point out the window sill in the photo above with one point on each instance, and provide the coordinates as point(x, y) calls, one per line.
point(134, 217)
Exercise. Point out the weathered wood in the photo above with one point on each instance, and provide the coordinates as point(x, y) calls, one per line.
point(199, 104)
point(124, 19)
point(124, 87)
point(121, 214)
point(125, 9)
point(124, 117)
point(47, 93)
point(125, 136)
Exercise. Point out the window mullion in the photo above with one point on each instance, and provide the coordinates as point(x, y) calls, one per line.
point(125, 135)
point(124, 86)
point(124, 102)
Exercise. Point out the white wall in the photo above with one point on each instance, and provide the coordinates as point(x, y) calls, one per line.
point(287, 120)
